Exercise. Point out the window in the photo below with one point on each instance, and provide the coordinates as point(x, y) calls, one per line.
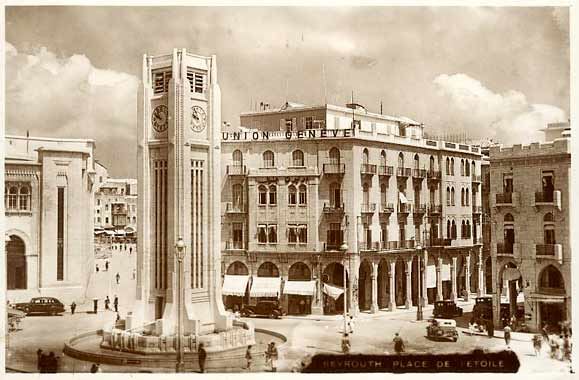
point(196, 80)
point(292, 234)
point(237, 192)
point(272, 233)
point(467, 197)
point(432, 196)
point(452, 196)
point(448, 230)
point(365, 194)
point(367, 235)
point(549, 229)
point(303, 233)
point(106, 207)
point(335, 195)
point(303, 195)
point(268, 159)
point(383, 194)
point(335, 235)
point(272, 195)
point(416, 198)
point(262, 195)
point(402, 232)
point(98, 219)
point(447, 166)
point(452, 166)
point(11, 198)
point(448, 196)
point(453, 230)
point(509, 231)
point(468, 232)
point(431, 164)
point(60, 234)
point(507, 183)
point(298, 158)
point(297, 233)
point(237, 232)
point(24, 195)
point(462, 167)
point(161, 80)
point(463, 230)
point(473, 168)
point(416, 162)
point(548, 186)
point(365, 156)
point(98, 202)
point(334, 156)
point(309, 122)
point(262, 233)
point(384, 234)
point(462, 197)
point(467, 168)
point(237, 158)
point(400, 160)
point(292, 195)
point(107, 220)
point(383, 158)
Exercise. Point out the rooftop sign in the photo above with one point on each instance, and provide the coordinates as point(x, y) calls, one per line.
point(289, 135)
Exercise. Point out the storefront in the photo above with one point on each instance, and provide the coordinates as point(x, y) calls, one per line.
point(234, 291)
point(300, 294)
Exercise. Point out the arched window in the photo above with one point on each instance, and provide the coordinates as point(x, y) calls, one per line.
point(466, 169)
point(452, 166)
point(298, 158)
point(272, 233)
point(365, 194)
point(334, 156)
point(448, 230)
point(549, 229)
point(303, 195)
point(463, 230)
point(383, 194)
point(237, 193)
point(267, 269)
point(473, 167)
point(292, 195)
point(551, 279)
point(416, 162)
point(509, 218)
point(466, 197)
point(383, 158)
point(365, 156)
point(462, 167)
point(447, 166)
point(237, 268)
point(237, 158)
point(272, 194)
point(453, 230)
point(431, 164)
point(448, 196)
point(400, 160)
point(24, 198)
point(268, 159)
point(335, 195)
point(13, 198)
point(262, 190)
point(299, 272)
point(509, 232)
point(452, 196)
point(462, 197)
point(16, 270)
point(468, 230)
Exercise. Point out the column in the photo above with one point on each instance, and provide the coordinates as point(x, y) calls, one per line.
point(383, 286)
point(467, 277)
point(408, 302)
point(481, 276)
point(374, 306)
point(438, 279)
point(453, 279)
point(318, 299)
point(353, 284)
point(391, 293)
point(423, 279)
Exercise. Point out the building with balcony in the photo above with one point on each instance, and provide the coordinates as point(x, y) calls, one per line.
point(115, 211)
point(48, 202)
point(317, 177)
point(531, 250)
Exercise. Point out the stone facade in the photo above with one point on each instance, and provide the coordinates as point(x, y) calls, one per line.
point(312, 178)
point(49, 189)
point(116, 205)
point(531, 250)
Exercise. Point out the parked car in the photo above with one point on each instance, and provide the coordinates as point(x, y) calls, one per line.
point(263, 309)
point(442, 329)
point(483, 309)
point(41, 305)
point(446, 309)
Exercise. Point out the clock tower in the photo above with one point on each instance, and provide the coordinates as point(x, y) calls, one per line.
point(179, 113)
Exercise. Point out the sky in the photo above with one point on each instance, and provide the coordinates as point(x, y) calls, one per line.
point(491, 73)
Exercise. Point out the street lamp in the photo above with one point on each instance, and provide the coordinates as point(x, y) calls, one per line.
point(180, 247)
point(419, 314)
point(344, 249)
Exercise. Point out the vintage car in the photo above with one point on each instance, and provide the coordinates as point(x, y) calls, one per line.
point(483, 309)
point(41, 305)
point(442, 329)
point(446, 309)
point(263, 309)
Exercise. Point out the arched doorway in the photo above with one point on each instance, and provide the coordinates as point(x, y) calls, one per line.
point(267, 284)
point(400, 282)
point(551, 283)
point(236, 302)
point(237, 268)
point(511, 286)
point(299, 303)
point(15, 264)
point(365, 286)
point(267, 269)
point(383, 284)
point(333, 276)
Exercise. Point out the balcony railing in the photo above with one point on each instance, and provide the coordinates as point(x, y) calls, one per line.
point(407, 244)
point(419, 173)
point(403, 172)
point(367, 169)
point(385, 171)
point(330, 208)
point(404, 208)
point(336, 169)
point(332, 246)
point(370, 246)
point(505, 198)
point(440, 242)
point(420, 209)
point(234, 245)
point(435, 209)
point(546, 249)
point(544, 197)
point(236, 170)
point(476, 209)
point(388, 245)
point(368, 208)
point(504, 249)
point(433, 175)
point(476, 178)
point(387, 208)
point(232, 208)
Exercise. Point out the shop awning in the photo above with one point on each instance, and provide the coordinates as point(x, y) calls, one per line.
point(333, 291)
point(402, 198)
point(445, 272)
point(265, 287)
point(300, 288)
point(431, 276)
point(547, 298)
point(234, 285)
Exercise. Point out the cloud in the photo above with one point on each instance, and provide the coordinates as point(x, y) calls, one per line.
point(507, 118)
point(56, 96)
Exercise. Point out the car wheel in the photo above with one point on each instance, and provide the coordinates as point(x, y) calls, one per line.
point(455, 339)
point(26, 310)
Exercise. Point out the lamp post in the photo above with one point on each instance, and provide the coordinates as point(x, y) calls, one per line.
point(344, 249)
point(419, 313)
point(180, 247)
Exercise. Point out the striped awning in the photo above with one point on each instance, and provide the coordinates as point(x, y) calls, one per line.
point(234, 285)
point(265, 287)
point(300, 288)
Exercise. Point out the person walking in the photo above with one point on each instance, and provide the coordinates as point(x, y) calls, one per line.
point(107, 266)
point(134, 273)
point(274, 354)
point(345, 343)
point(268, 356)
point(201, 356)
point(545, 333)
point(490, 328)
point(507, 334)
point(39, 357)
point(118, 277)
point(537, 343)
point(107, 303)
point(248, 358)
point(554, 347)
point(116, 303)
point(398, 344)
point(72, 307)
point(97, 268)
point(566, 348)
point(95, 368)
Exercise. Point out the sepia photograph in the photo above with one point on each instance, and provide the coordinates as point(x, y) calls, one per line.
point(292, 189)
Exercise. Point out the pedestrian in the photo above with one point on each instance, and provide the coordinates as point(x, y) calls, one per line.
point(560, 344)
point(490, 328)
point(268, 356)
point(72, 307)
point(554, 347)
point(537, 343)
point(107, 266)
point(95, 368)
point(116, 303)
point(248, 358)
point(52, 363)
point(118, 277)
point(545, 333)
point(398, 344)
point(507, 333)
point(471, 326)
point(39, 356)
point(274, 356)
point(345, 343)
point(97, 268)
point(566, 348)
point(302, 306)
point(202, 356)
point(107, 303)
point(118, 317)
point(134, 273)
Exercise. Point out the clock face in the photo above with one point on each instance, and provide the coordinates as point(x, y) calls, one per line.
point(160, 118)
point(198, 119)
